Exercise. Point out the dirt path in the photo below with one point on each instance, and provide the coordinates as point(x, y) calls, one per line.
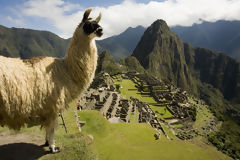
point(21, 146)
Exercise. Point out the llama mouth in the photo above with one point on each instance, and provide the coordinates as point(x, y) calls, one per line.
point(99, 32)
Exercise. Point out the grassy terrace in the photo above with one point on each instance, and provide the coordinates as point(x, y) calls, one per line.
point(162, 111)
point(127, 84)
point(130, 141)
point(134, 117)
point(204, 115)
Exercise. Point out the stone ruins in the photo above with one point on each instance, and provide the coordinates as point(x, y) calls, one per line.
point(104, 96)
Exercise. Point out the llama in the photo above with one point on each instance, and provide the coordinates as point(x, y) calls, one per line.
point(40, 88)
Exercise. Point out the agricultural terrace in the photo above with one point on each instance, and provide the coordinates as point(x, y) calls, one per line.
point(128, 141)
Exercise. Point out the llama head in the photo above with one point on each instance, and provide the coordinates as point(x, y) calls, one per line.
point(90, 26)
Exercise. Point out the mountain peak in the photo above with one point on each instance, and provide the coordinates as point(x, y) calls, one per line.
point(160, 49)
point(157, 37)
point(159, 26)
point(160, 22)
point(131, 30)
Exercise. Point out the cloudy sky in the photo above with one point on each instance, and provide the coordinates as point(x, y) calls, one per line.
point(62, 16)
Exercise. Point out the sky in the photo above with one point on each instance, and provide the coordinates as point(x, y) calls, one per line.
point(62, 16)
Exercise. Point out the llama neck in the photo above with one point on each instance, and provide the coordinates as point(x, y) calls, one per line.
point(81, 59)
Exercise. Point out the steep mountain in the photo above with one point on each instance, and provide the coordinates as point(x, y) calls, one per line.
point(27, 43)
point(219, 70)
point(122, 45)
point(212, 76)
point(222, 36)
point(162, 53)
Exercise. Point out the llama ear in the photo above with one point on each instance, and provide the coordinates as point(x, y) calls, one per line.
point(86, 14)
point(99, 17)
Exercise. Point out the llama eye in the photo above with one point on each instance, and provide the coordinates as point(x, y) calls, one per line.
point(89, 27)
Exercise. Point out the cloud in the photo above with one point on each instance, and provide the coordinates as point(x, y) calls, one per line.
point(116, 18)
point(175, 12)
point(17, 21)
point(63, 16)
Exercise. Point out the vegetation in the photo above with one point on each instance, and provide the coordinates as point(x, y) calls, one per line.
point(107, 64)
point(132, 65)
point(201, 116)
point(74, 145)
point(26, 43)
point(161, 112)
point(207, 74)
point(136, 141)
point(223, 139)
point(128, 89)
point(211, 76)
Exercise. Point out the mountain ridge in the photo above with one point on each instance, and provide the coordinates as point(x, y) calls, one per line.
point(27, 43)
point(159, 52)
point(164, 55)
point(162, 52)
point(122, 45)
point(222, 36)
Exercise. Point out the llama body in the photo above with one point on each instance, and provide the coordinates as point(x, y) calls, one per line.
point(41, 87)
point(28, 89)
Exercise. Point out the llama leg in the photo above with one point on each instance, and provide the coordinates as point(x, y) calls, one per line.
point(47, 137)
point(50, 136)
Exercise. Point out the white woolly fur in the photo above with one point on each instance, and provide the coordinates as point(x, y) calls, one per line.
point(41, 87)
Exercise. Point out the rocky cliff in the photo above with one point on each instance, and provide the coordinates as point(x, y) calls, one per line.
point(163, 54)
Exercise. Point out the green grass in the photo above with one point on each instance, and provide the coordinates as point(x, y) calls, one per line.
point(203, 115)
point(134, 117)
point(126, 93)
point(168, 131)
point(177, 125)
point(74, 145)
point(162, 112)
point(128, 84)
point(130, 141)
